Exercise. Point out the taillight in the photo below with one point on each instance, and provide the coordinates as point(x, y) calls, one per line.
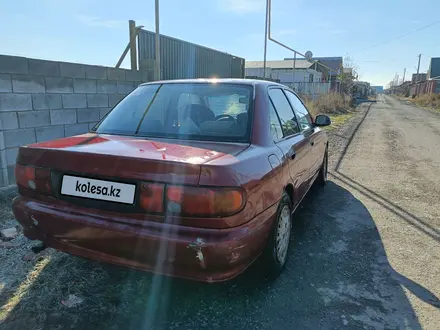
point(151, 197)
point(33, 178)
point(25, 176)
point(198, 201)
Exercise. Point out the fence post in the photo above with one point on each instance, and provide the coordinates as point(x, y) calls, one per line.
point(157, 42)
point(132, 31)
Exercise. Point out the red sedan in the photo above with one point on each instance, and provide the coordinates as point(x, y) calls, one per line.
point(190, 178)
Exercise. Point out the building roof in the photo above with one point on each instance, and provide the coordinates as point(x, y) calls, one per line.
point(363, 83)
point(333, 62)
point(281, 64)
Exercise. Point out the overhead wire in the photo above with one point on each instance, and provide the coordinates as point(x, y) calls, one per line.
point(401, 36)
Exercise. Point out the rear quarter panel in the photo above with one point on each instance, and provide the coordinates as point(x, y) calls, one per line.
point(262, 182)
point(321, 141)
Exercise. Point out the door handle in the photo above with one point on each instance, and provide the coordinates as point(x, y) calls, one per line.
point(291, 154)
point(312, 143)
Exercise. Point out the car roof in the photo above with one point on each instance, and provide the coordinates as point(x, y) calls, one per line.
point(252, 82)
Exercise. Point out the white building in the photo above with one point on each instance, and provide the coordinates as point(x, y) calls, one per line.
point(307, 77)
point(283, 71)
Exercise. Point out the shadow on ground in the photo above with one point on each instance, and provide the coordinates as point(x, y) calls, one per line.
point(337, 275)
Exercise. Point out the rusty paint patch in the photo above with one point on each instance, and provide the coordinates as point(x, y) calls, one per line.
point(197, 246)
point(234, 257)
point(34, 221)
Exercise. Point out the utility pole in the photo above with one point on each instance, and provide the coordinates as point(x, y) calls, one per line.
point(314, 82)
point(404, 72)
point(265, 38)
point(418, 67)
point(293, 72)
point(156, 9)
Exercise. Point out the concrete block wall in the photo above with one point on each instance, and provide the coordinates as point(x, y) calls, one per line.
point(45, 100)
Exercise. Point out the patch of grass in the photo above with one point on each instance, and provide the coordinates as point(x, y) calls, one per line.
point(340, 119)
point(431, 101)
point(337, 106)
point(332, 103)
point(53, 276)
point(427, 101)
point(22, 290)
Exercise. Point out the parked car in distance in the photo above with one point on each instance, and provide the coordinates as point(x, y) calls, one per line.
point(189, 178)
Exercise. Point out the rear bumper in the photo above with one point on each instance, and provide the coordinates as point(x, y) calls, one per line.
point(209, 255)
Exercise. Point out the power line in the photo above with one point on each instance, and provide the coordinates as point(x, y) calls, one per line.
point(401, 36)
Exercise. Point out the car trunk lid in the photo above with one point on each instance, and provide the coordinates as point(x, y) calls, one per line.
point(122, 157)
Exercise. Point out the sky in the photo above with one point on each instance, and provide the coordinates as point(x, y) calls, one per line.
point(381, 37)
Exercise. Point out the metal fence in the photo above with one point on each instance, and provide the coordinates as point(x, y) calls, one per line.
point(311, 89)
point(181, 59)
point(422, 87)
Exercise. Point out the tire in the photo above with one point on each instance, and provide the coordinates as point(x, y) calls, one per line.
point(323, 171)
point(276, 252)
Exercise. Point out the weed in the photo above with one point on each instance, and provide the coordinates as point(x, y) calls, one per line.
point(337, 106)
point(332, 103)
point(428, 100)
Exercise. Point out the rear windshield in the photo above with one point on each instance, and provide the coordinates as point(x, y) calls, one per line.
point(214, 112)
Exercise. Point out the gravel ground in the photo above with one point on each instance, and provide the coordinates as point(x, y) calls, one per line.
point(364, 254)
point(393, 167)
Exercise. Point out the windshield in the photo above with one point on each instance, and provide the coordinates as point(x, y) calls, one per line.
point(214, 112)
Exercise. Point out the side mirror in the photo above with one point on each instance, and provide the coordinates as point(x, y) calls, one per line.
point(322, 120)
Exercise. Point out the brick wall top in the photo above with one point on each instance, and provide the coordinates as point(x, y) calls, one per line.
point(29, 66)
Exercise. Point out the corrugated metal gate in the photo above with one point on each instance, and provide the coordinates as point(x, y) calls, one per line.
point(181, 59)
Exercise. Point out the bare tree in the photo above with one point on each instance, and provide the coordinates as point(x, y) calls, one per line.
point(349, 62)
point(347, 78)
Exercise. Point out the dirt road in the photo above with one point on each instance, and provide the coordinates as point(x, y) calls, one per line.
point(392, 166)
point(365, 253)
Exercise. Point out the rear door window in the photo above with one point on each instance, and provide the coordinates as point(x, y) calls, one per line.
point(303, 116)
point(275, 126)
point(285, 112)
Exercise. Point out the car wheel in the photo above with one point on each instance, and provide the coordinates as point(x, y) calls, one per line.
point(323, 172)
point(278, 245)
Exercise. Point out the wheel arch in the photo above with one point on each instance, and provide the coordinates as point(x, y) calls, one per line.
point(289, 190)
